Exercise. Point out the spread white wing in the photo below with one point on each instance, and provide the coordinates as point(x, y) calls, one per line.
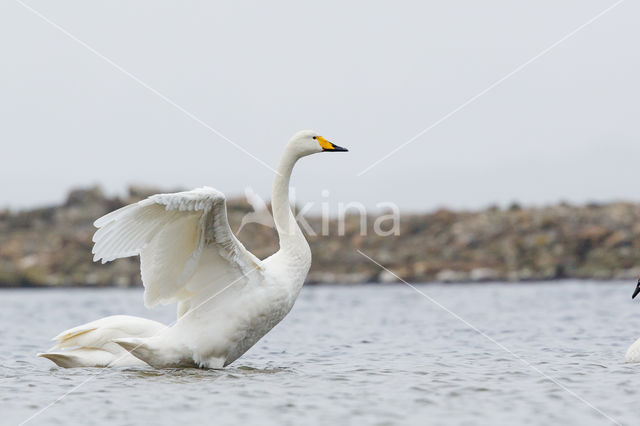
point(184, 241)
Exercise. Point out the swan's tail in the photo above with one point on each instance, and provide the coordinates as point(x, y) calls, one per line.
point(92, 344)
point(152, 352)
point(86, 357)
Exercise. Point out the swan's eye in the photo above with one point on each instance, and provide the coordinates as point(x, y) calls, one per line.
point(315, 137)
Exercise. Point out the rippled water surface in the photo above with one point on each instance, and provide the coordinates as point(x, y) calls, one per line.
point(351, 355)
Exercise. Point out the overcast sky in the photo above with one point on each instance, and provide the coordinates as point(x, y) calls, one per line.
point(367, 75)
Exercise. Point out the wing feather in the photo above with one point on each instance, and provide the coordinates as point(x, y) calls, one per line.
point(184, 242)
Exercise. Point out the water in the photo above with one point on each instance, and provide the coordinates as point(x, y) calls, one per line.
point(350, 355)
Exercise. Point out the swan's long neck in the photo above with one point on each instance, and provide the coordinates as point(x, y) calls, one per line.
point(292, 241)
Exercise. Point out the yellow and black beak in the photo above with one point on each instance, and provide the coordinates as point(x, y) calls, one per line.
point(328, 146)
point(637, 290)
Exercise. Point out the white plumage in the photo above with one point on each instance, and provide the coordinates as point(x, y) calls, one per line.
point(227, 298)
point(91, 344)
point(633, 353)
point(171, 232)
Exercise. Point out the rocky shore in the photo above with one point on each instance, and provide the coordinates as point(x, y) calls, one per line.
point(52, 246)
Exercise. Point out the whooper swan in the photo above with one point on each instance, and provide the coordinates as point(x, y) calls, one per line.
point(227, 298)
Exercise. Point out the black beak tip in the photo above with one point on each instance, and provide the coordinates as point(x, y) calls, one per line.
point(637, 290)
point(336, 148)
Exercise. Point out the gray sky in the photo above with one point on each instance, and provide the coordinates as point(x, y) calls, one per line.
point(367, 75)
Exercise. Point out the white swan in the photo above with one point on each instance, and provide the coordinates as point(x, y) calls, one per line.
point(633, 353)
point(227, 298)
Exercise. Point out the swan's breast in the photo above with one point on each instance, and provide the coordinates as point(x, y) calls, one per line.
point(236, 319)
point(265, 309)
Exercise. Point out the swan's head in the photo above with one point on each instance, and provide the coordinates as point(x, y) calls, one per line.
point(308, 142)
point(637, 290)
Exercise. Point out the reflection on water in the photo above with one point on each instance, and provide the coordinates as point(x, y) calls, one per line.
point(370, 354)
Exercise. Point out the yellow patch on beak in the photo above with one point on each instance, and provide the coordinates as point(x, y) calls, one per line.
point(325, 144)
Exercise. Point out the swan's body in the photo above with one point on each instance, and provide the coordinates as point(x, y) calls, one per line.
point(633, 353)
point(227, 298)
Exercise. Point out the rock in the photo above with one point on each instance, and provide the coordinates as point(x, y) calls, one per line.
point(450, 276)
point(616, 239)
point(627, 274)
point(85, 197)
point(484, 274)
point(387, 277)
